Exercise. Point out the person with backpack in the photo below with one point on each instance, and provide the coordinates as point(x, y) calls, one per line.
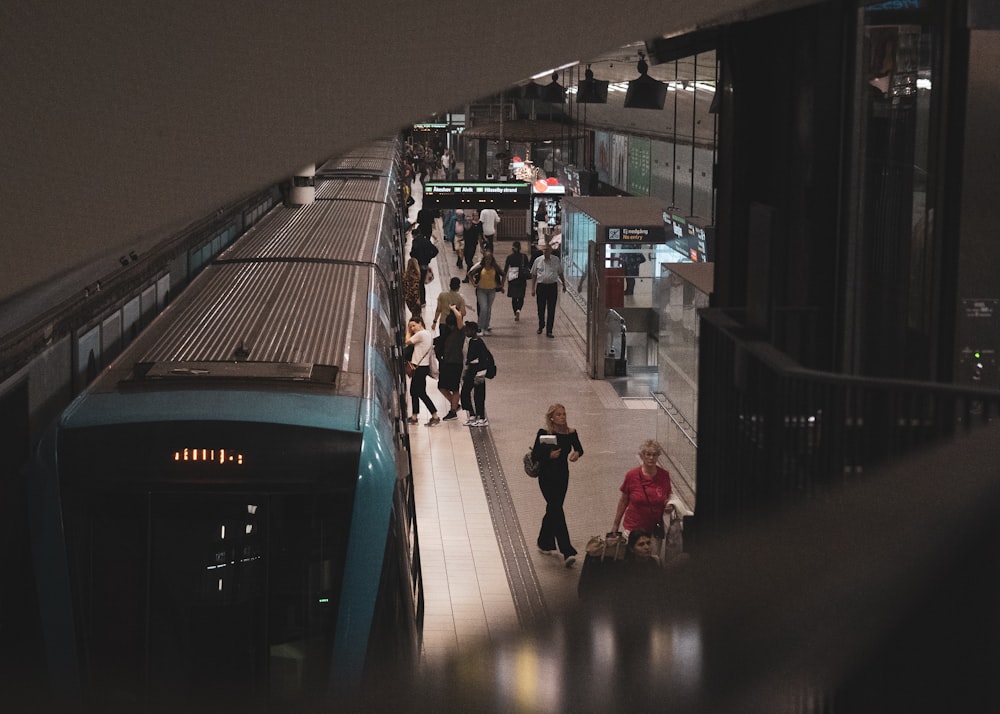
point(479, 366)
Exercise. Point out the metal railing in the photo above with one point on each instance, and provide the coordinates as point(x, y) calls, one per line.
point(777, 433)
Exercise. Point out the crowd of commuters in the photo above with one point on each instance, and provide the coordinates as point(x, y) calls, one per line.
point(454, 353)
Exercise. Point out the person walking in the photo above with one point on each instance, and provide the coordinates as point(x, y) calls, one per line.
point(541, 219)
point(446, 158)
point(555, 446)
point(479, 366)
point(459, 244)
point(424, 251)
point(425, 221)
point(490, 219)
point(554, 239)
point(488, 277)
point(450, 351)
point(546, 274)
point(645, 496)
point(411, 287)
point(473, 234)
point(448, 224)
point(446, 300)
point(423, 342)
point(631, 260)
point(516, 270)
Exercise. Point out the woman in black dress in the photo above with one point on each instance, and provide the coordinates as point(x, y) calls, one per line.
point(517, 286)
point(553, 480)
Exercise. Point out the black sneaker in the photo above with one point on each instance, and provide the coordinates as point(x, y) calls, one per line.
point(449, 416)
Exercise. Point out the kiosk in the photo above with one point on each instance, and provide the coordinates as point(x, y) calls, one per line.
point(615, 250)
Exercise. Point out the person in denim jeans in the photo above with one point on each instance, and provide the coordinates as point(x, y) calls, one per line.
point(488, 279)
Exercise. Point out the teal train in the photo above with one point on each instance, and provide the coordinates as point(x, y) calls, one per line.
point(224, 519)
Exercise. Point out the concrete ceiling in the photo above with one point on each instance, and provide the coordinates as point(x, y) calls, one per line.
point(123, 120)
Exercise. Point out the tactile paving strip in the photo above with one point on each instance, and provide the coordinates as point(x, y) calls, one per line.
point(524, 586)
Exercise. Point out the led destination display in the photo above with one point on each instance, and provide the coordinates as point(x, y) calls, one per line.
point(477, 195)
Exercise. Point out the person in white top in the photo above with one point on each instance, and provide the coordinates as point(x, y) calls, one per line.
point(490, 219)
point(422, 341)
point(546, 274)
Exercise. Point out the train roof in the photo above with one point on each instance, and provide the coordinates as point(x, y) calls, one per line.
point(288, 303)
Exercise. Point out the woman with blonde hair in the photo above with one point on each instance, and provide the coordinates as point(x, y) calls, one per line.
point(645, 493)
point(488, 278)
point(555, 446)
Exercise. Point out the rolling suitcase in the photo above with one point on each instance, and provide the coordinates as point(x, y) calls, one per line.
point(601, 565)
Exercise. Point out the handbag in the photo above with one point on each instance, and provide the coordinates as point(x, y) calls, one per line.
point(429, 278)
point(531, 467)
point(611, 546)
point(410, 368)
point(435, 368)
point(674, 548)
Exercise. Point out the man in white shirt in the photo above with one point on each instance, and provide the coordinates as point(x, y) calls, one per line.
point(490, 219)
point(546, 274)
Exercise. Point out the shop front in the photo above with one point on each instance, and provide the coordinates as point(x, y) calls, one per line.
point(618, 253)
point(641, 271)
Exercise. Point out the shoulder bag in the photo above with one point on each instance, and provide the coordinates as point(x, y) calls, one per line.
point(531, 467)
point(435, 370)
point(658, 531)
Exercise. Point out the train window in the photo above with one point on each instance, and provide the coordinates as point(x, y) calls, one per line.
point(185, 594)
point(107, 545)
point(88, 352)
point(130, 320)
point(384, 342)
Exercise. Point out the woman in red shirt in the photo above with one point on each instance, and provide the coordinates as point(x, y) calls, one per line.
point(645, 492)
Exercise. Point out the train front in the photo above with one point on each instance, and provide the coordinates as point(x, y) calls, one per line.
point(222, 515)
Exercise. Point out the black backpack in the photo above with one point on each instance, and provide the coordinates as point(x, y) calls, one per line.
point(491, 365)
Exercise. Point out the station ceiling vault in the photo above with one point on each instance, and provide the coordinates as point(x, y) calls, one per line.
point(121, 122)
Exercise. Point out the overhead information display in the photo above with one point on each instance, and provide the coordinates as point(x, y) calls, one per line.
point(462, 194)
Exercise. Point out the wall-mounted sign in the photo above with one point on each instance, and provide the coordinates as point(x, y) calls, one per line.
point(636, 234)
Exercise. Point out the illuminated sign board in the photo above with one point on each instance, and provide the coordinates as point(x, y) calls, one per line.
point(547, 186)
point(686, 236)
point(894, 5)
point(636, 234)
point(477, 195)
